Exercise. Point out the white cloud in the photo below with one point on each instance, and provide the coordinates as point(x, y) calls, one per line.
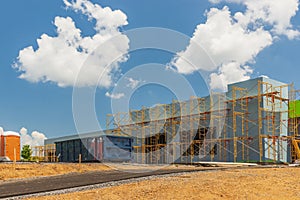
point(214, 1)
point(277, 13)
point(114, 95)
point(264, 76)
point(34, 139)
point(233, 41)
point(225, 41)
point(8, 133)
point(59, 59)
point(106, 19)
point(132, 83)
point(230, 73)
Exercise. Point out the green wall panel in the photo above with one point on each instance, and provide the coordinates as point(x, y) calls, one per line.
point(294, 109)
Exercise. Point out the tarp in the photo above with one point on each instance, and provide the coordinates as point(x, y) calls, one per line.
point(294, 109)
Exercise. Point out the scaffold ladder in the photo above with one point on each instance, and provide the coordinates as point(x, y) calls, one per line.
point(296, 148)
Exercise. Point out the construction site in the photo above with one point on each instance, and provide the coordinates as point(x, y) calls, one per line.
point(255, 121)
point(204, 146)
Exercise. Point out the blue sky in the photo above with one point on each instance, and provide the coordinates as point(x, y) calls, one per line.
point(47, 107)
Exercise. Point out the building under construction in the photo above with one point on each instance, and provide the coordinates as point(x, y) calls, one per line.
point(255, 121)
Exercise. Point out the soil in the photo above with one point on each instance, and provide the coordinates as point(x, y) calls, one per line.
point(268, 183)
point(34, 170)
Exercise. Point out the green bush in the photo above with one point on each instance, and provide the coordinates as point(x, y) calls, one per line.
point(26, 152)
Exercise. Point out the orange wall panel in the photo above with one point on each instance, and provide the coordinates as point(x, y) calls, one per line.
point(11, 143)
point(2, 145)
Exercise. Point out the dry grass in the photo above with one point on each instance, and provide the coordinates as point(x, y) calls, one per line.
point(144, 167)
point(275, 183)
point(8, 171)
point(33, 170)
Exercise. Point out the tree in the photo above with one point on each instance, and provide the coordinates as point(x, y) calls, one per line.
point(26, 152)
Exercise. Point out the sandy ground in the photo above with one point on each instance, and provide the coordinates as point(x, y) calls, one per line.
point(148, 168)
point(270, 183)
point(10, 172)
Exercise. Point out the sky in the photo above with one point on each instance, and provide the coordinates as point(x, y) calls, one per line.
point(52, 48)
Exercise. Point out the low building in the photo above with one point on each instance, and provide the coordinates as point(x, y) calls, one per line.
point(95, 146)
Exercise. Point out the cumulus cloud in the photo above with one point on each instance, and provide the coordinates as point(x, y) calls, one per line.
point(264, 76)
point(277, 13)
point(6, 133)
point(114, 95)
point(226, 42)
point(231, 42)
point(34, 139)
point(230, 73)
point(59, 59)
point(132, 83)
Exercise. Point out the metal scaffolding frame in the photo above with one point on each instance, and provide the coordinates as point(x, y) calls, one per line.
point(46, 153)
point(271, 121)
point(294, 122)
point(190, 119)
point(217, 127)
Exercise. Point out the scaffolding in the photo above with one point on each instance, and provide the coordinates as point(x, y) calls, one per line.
point(240, 121)
point(273, 111)
point(176, 132)
point(294, 124)
point(155, 130)
point(247, 124)
point(254, 122)
point(46, 153)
